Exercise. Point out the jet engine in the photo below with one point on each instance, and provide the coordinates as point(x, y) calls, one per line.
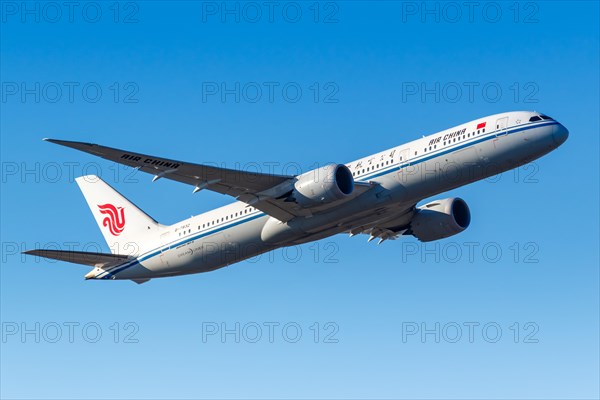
point(440, 219)
point(323, 185)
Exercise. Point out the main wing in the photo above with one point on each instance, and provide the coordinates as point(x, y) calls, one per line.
point(266, 192)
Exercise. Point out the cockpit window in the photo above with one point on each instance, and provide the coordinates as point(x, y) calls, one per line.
point(546, 117)
point(534, 118)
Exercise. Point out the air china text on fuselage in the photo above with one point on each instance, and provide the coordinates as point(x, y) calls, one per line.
point(376, 195)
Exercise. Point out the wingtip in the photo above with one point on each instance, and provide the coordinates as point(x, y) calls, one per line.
point(68, 143)
point(51, 140)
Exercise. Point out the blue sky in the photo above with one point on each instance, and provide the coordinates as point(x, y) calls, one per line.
point(290, 87)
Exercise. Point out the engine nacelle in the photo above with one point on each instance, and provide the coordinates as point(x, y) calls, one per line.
point(323, 185)
point(440, 219)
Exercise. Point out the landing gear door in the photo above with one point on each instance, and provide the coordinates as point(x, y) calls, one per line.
point(501, 126)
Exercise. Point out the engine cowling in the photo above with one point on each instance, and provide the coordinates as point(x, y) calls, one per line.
point(440, 219)
point(323, 185)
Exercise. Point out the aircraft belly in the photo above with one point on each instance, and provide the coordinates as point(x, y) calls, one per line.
point(216, 251)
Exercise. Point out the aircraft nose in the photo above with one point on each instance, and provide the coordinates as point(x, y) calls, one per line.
point(560, 134)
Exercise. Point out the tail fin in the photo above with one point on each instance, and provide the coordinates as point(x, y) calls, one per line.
point(126, 228)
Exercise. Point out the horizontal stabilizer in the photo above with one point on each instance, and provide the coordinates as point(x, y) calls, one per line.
point(100, 260)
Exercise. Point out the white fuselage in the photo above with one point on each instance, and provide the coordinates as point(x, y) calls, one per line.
point(405, 175)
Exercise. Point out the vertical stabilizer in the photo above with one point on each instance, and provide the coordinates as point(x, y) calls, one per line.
point(126, 228)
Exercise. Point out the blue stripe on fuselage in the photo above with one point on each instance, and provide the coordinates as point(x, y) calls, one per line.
point(447, 150)
point(152, 253)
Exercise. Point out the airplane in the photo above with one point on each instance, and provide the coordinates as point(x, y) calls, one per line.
point(376, 195)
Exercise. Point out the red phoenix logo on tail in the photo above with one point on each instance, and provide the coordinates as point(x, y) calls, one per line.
point(115, 218)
